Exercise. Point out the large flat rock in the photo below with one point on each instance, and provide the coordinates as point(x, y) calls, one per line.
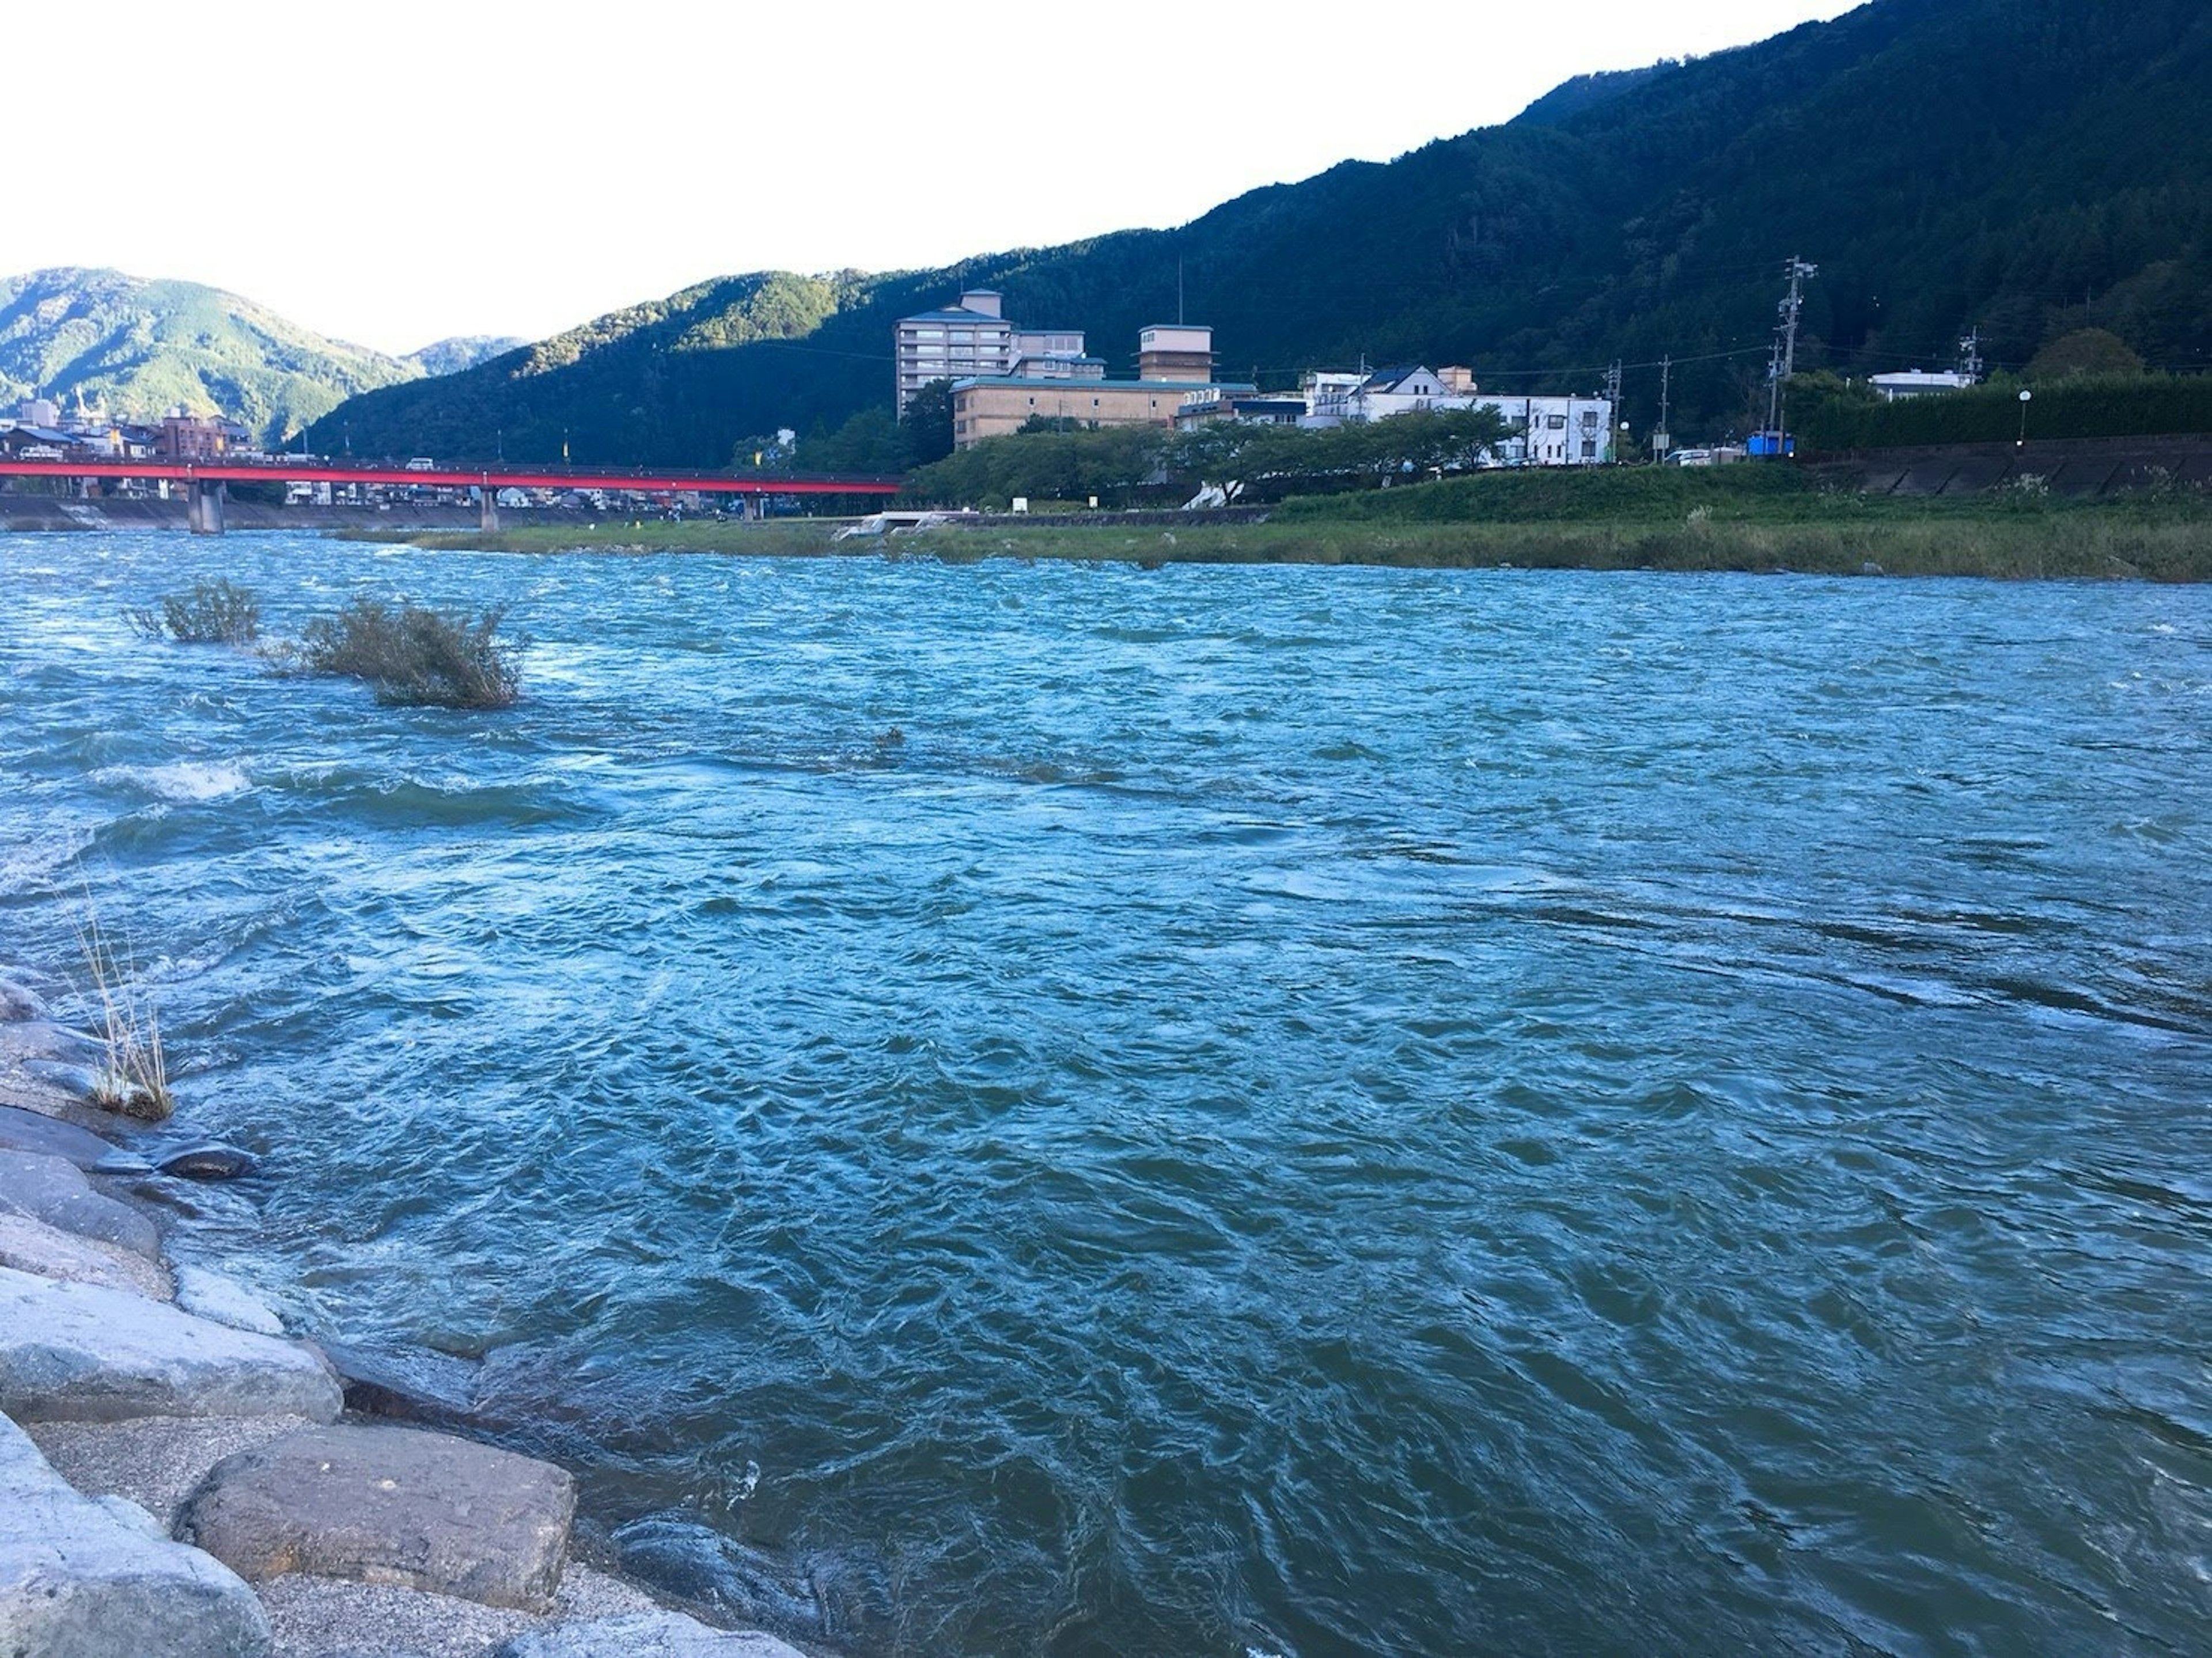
point(34, 1131)
point(42, 1187)
point(32, 1246)
point(86, 1579)
point(78, 1352)
point(647, 1635)
point(390, 1506)
point(206, 1294)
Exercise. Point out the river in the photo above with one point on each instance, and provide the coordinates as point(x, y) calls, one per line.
point(1303, 1111)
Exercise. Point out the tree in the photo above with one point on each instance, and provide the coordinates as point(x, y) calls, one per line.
point(927, 424)
point(2084, 351)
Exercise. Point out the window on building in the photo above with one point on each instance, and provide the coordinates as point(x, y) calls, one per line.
point(1556, 422)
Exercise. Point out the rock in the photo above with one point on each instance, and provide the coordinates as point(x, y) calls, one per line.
point(210, 1295)
point(41, 1187)
point(695, 1562)
point(646, 1634)
point(79, 1579)
point(75, 1352)
point(18, 1006)
point(29, 1131)
point(156, 1461)
point(32, 1246)
point(79, 1081)
point(209, 1163)
point(407, 1384)
point(391, 1506)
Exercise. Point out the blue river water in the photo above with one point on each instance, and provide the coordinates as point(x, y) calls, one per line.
point(1080, 1110)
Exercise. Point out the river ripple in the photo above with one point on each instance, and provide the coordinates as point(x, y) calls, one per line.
point(1309, 1110)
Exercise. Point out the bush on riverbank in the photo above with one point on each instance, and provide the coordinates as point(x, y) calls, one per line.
point(413, 655)
point(212, 613)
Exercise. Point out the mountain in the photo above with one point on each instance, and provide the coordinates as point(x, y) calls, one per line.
point(2029, 168)
point(462, 351)
point(143, 346)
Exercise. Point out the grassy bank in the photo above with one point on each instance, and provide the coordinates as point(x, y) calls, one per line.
point(1750, 518)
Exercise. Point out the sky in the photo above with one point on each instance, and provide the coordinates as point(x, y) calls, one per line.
point(397, 174)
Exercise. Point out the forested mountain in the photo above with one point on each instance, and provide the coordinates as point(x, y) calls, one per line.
point(2029, 168)
point(141, 347)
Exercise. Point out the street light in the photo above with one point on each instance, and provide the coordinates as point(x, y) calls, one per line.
point(2026, 397)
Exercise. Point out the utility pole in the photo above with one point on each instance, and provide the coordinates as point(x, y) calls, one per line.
point(1970, 357)
point(1613, 410)
point(1784, 362)
point(1663, 439)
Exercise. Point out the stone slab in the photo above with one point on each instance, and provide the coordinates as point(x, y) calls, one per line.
point(33, 1131)
point(85, 1579)
point(206, 1294)
point(52, 1190)
point(646, 1634)
point(77, 1352)
point(32, 1246)
point(394, 1506)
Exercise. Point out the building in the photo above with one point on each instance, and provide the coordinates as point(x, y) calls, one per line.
point(1914, 383)
point(200, 437)
point(1549, 431)
point(1219, 403)
point(974, 340)
point(1567, 431)
point(1334, 396)
point(1173, 364)
point(1175, 351)
point(993, 407)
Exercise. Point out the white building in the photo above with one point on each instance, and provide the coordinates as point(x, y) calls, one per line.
point(1914, 383)
point(1549, 431)
point(1566, 431)
point(973, 340)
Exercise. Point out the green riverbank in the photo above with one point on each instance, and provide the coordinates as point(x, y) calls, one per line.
point(1735, 519)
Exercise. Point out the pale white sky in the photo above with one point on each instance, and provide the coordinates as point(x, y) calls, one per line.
point(395, 173)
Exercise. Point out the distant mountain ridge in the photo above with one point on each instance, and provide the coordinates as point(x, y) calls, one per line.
point(462, 351)
point(141, 347)
point(2027, 168)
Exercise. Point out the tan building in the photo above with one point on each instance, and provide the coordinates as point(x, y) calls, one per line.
point(1175, 351)
point(992, 408)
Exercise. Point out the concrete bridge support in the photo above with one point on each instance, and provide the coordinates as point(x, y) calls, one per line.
point(204, 506)
point(487, 507)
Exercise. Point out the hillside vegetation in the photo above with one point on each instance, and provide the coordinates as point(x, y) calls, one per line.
point(141, 347)
point(2033, 167)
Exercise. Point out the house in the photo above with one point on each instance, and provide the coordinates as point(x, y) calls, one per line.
point(1552, 431)
point(1548, 431)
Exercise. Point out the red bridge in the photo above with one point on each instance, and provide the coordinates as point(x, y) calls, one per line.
point(203, 480)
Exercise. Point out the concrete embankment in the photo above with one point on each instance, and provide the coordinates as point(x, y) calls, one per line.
point(180, 1475)
point(2084, 468)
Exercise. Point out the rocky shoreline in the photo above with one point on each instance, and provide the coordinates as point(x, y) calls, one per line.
point(184, 1476)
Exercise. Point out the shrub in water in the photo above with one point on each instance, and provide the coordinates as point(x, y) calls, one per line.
point(213, 613)
point(414, 655)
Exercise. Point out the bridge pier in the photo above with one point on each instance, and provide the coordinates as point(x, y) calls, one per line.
point(487, 507)
point(204, 506)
